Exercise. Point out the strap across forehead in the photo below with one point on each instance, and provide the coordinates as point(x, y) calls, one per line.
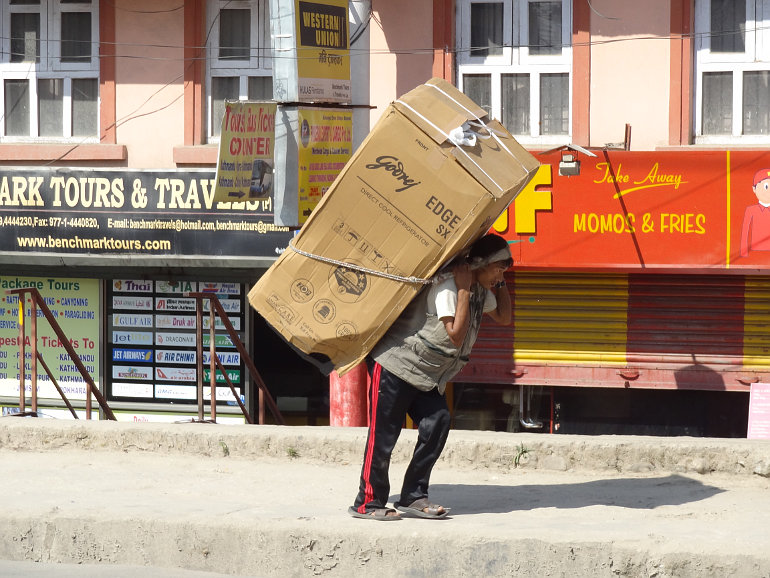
point(503, 254)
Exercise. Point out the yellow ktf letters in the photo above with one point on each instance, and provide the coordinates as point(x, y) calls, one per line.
point(527, 203)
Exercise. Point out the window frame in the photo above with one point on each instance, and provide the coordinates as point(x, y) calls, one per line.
point(49, 68)
point(566, 36)
point(510, 18)
point(260, 57)
point(93, 64)
point(756, 57)
point(516, 59)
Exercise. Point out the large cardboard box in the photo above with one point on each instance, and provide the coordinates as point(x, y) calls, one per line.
point(408, 201)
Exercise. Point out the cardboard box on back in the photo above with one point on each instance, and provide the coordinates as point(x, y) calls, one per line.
point(408, 201)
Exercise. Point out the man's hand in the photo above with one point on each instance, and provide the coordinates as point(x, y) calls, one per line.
point(463, 276)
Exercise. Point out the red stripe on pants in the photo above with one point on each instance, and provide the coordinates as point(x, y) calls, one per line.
point(373, 395)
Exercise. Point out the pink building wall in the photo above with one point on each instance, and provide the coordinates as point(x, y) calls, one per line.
point(630, 72)
point(150, 65)
point(149, 70)
point(401, 47)
point(629, 82)
point(632, 75)
point(630, 65)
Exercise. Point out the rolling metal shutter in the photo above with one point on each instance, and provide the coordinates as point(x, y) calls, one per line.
point(635, 330)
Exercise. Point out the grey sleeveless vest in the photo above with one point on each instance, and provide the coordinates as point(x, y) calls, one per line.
point(417, 347)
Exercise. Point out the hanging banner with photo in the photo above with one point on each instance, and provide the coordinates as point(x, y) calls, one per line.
point(245, 161)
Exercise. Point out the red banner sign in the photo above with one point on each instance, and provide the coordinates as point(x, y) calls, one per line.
point(644, 210)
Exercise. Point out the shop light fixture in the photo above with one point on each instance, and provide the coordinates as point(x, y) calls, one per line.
point(569, 164)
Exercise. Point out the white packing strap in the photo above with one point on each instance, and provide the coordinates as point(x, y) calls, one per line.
point(494, 182)
point(491, 131)
point(477, 263)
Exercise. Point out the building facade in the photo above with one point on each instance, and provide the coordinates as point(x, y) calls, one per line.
point(639, 272)
point(639, 275)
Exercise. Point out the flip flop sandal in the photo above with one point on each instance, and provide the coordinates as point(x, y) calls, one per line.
point(379, 514)
point(422, 508)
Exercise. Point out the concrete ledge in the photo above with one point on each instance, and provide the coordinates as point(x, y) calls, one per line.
point(465, 449)
point(41, 152)
point(298, 550)
point(203, 155)
point(272, 501)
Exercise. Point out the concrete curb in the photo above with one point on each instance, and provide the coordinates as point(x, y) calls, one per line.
point(293, 550)
point(113, 493)
point(465, 449)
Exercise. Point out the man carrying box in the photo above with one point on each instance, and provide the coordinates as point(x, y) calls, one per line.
point(410, 366)
point(432, 175)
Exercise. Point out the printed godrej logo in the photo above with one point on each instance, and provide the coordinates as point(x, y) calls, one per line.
point(395, 167)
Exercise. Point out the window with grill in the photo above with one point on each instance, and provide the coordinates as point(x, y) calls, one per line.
point(49, 64)
point(732, 43)
point(514, 59)
point(239, 62)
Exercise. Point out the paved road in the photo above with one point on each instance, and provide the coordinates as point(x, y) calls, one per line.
point(264, 501)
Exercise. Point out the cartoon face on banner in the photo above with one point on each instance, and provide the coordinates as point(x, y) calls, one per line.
point(755, 227)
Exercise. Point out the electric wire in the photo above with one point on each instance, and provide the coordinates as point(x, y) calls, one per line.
point(134, 115)
point(132, 11)
point(599, 14)
point(258, 52)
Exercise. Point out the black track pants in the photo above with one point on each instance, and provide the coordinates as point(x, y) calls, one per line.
point(390, 400)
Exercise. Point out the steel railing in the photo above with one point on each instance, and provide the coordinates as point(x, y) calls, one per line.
point(265, 399)
point(36, 300)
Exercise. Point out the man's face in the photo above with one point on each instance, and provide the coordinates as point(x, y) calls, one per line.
point(762, 190)
point(489, 275)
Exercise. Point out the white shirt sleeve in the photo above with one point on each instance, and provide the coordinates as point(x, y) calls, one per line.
point(444, 298)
